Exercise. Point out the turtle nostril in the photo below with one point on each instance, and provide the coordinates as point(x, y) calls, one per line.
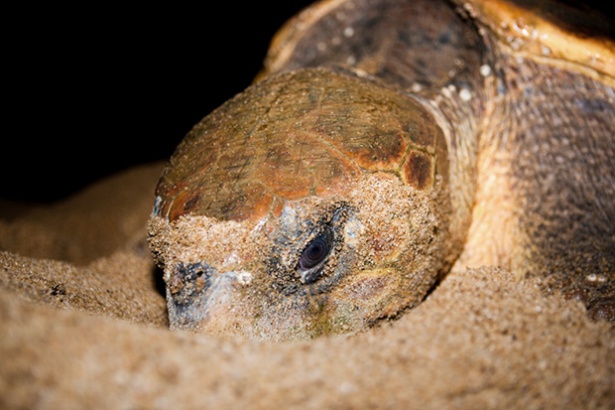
point(201, 282)
point(188, 280)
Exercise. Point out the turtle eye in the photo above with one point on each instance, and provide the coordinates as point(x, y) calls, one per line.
point(314, 254)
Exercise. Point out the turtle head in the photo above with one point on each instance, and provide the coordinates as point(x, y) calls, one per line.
point(315, 202)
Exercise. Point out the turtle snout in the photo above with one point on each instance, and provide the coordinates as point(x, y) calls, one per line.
point(189, 281)
point(197, 291)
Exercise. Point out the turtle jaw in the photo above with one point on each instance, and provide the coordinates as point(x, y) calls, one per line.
point(230, 305)
point(225, 306)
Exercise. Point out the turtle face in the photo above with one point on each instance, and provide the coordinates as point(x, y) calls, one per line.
point(315, 202)
point(317, 266)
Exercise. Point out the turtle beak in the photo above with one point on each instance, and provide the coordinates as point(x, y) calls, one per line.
point(198, 294)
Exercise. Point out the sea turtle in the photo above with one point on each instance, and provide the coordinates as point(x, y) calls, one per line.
point(386, 143)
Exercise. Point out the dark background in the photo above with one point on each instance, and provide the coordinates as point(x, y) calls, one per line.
point(92, 90)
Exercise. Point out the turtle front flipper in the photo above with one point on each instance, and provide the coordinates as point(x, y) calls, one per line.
point(545, 202)
point(563, 174)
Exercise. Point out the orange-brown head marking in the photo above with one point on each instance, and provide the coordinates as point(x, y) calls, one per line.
point(295, 135)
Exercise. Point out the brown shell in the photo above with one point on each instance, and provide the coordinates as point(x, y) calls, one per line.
point(556, 30)
point(552, 29)
point(309, 132)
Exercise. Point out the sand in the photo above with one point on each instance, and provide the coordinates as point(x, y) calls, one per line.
point(83, 325)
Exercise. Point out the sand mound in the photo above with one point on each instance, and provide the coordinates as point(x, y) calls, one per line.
point(83, 325)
